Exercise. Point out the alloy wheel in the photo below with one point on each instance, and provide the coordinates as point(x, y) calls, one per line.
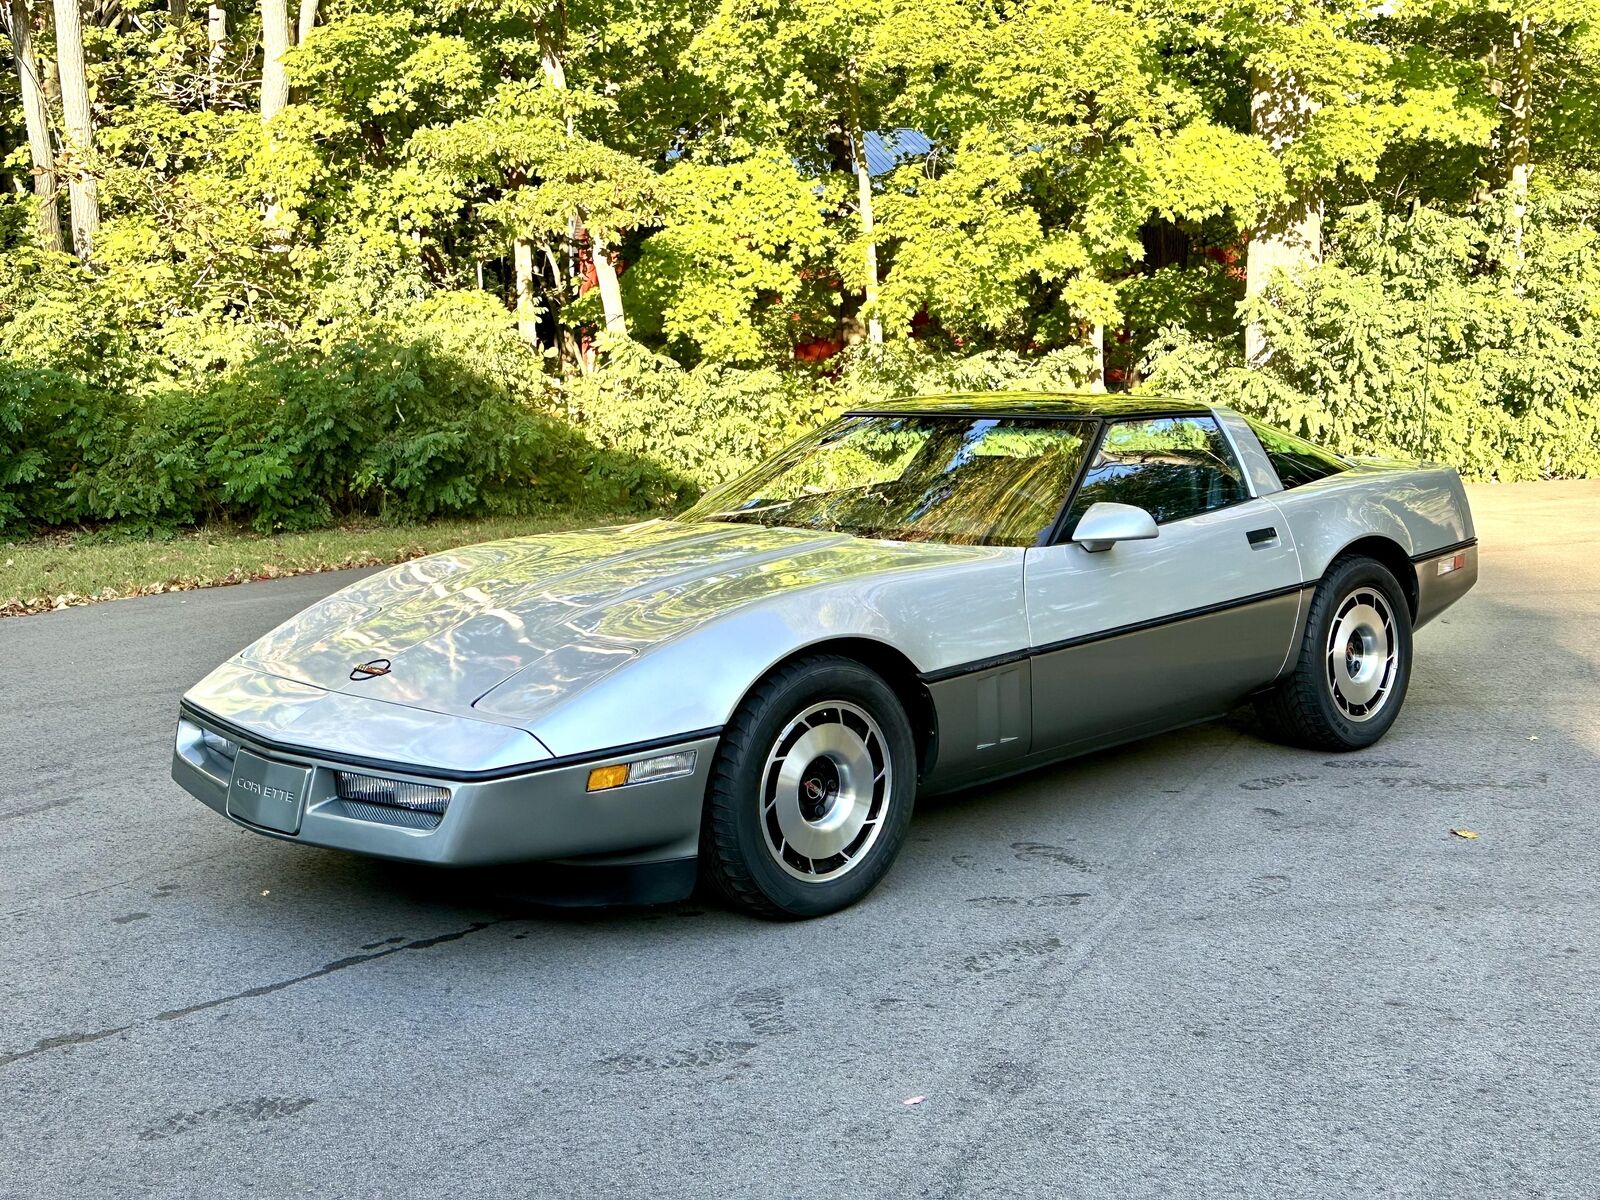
point(1362, 655)
point(825, 791)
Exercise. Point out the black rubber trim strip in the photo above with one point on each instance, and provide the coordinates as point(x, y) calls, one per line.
point(1189, 614)
point(973, 667)
point(1443, 550)
point(251, 738)
point(1058, 528)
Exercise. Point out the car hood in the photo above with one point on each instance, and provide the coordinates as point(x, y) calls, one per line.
point(498, 631)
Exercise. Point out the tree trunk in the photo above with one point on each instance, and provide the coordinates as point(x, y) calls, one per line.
point(38, 124)
point(1097, 358)
point(1519, 135)
point(81, 187)
point(177, 20)
point(216, 52)
point(217, 36)
point(858, 149)
point(527, 310)
point(274, 41)
point(308, 20)
point(605, 273)
point(1289, 239)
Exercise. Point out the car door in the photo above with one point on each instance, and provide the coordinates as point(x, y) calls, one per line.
point(1149, 634)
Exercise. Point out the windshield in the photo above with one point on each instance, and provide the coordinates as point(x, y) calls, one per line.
point(990, 481)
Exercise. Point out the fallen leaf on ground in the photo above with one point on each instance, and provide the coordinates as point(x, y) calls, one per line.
point(1469, 834)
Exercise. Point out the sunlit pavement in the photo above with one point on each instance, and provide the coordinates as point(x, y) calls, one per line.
point(1202, 965)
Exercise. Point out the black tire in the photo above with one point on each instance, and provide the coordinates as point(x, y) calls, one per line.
point(1310, 707)
point(744, 853)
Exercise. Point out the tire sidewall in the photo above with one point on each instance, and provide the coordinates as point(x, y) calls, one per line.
point(1345, 578)
point(835, 679)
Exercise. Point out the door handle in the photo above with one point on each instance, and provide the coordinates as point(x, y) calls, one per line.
point(1261, 537)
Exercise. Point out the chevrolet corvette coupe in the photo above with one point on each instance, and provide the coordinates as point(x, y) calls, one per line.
point(920, 596)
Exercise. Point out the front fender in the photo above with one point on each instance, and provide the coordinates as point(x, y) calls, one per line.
point(692, 682)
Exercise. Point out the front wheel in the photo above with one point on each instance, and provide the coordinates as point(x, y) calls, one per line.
point(811, 791)
point(1350, 680)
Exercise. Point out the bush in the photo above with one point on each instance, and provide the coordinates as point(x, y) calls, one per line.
point(707, 424)
point(1429, 336)
point(54, 430)
point(296, 437)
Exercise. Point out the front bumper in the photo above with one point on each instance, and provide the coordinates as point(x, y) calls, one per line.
point(543, 814)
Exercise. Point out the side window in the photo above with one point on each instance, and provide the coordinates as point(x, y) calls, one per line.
point(1296, 460)
point(1172, 467)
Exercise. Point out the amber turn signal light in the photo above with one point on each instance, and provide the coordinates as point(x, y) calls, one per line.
point(602, 778)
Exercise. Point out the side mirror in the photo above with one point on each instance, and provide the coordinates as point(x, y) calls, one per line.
point(1106, 524)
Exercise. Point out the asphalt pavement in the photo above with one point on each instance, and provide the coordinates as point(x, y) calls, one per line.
point(1202, 965)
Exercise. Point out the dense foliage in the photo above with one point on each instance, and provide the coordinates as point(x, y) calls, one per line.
point(497, 255)
point(1409, 340)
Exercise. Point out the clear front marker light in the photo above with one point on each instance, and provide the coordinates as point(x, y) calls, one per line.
point(395, 793)
point(667, 766)
point(1453, 563)
point(644, 770)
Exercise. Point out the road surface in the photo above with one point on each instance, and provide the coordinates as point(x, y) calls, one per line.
point(1200, 965)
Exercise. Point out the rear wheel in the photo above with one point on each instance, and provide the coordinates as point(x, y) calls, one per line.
point(811, 791)
point(1354, 666)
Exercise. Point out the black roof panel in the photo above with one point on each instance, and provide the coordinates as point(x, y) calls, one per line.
point(1043, 404)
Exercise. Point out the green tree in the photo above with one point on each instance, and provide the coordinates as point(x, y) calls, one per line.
point(742, 264)
point(1062, 135)
point(19, 28)
point(802, 76)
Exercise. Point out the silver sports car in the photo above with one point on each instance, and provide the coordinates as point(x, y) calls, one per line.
point(918, 597)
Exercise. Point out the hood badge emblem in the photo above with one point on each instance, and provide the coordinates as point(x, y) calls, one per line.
point(367, 670)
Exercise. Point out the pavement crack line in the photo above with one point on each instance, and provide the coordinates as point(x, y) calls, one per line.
point(77, 1039)
point(340, 964)
point(65, 1039)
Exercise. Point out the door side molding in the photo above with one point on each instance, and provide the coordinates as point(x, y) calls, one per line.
point(1206, 610)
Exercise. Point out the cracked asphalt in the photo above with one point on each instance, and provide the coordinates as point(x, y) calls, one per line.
point(1195, 966)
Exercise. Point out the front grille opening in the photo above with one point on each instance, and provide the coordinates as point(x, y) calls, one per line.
point(391, 801)
point(383, 814)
